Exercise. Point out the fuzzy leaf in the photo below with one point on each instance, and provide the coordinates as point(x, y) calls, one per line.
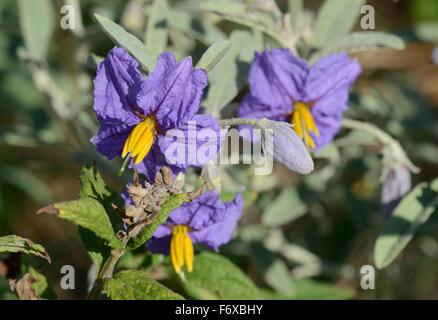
point(195, 27)
point(229, 76)
point(123, 38)
point(36, 22)
point(286, 208)
point(214, 54)
point(156, 30)
point(306, 289)
point(414, 210)
point(135, 285)
point(361, 41)
point(13, 243)
point(335, 19)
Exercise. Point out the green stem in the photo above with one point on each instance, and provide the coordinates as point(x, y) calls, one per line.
point(393, 145)
point(238, 121)
point(105, 273)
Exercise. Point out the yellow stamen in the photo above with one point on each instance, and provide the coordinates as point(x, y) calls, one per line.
point(181, 249)
point(304, 124)
point(309, 122)
point(140, 140)
point(297, 123)
point(174, 252)
point(188, 253)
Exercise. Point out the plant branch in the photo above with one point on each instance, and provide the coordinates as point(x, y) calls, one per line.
point(392, 145)
point(238, 121)
point(106, 272)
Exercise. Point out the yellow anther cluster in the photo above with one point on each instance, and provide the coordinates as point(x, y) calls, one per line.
point(304, 123)
point(181, 248)
point(140, 140)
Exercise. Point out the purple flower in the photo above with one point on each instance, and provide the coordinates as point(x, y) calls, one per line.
point(396, 182)
point(204, 220)
point(284, 87)
point(135, 114)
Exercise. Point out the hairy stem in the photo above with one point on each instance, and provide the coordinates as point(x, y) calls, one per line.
point(388, 141)
point(106, 272)
point(238, 121)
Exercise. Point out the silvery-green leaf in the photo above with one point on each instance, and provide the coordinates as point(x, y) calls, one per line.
point(223, 6)
point(414, 210)
point(295, 13)
point(237, 12)
point(335, 19)
point(211, 174)
point(229, 76)
point(279, 278)
point(214, 54)
point(286, 208)
point(195, 27)
point(360, 41)
point(427, 31)
point(36, 22)
point(307, 289)
point(123, 38)
point(156, 29)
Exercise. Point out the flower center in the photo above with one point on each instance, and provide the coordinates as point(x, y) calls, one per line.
point(304, 123)
point(181, 248)
point(141, 138)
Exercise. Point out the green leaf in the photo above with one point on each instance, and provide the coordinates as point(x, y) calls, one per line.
point(238, 13)
point(41, 285)
point(87, 213)
point(335, 19)
point(414, 210)
point(306, 289)
point(13, 243)
point(279, 277)
point(221, 277)
point(96, 247)
point(214, 54)
point(36, 22)
point(123, 38)
point(229, 76)
point(5, 291)
point(195, 27)
point(171, 204)
point(156, 30)
point(296, 12)
point(284, 209)
point(135, 285)
point(223, 6)
point(93, 186)
point(360, 41)
point(427, 31)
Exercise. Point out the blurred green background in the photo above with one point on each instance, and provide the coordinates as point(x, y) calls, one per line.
point(46, 121)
